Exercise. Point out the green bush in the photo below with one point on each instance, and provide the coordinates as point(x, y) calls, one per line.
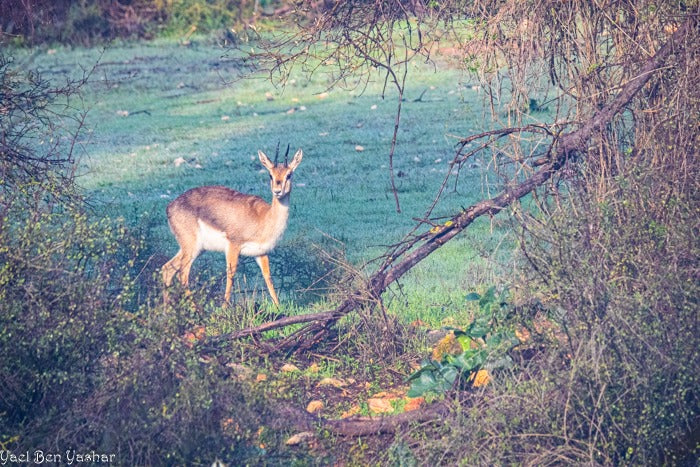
point(61, 287)
point(83, 369)
point(626, 279)
point(85, 22)
point(88, 22)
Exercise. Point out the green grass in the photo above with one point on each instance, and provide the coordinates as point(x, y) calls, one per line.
point(190, 102)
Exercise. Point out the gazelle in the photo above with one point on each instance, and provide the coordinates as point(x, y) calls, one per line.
point(216, 218)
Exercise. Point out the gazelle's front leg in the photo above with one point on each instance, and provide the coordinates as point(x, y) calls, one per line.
point(264, 264)
point(232, 252)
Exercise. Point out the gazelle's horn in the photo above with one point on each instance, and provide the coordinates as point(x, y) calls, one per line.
point(285, 156)
point(277, 152)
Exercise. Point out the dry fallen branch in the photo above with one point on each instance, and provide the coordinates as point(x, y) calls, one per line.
point(399, 261)
point(290, 417)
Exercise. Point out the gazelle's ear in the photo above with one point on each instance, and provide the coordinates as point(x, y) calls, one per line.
point(264, 160)
point(296, 160)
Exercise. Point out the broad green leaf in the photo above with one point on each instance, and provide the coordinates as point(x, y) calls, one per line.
point(472, 297)
point(469, 360)
point(488, 298)
point(494, 340)
point(438, 381)
point(426, 382)
point(428, 366)
point(449, 375)
point(503, 341)
point(464, 340)
point(479, 327)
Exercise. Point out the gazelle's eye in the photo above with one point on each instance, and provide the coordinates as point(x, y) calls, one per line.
point(270, 176)
point(289, 175)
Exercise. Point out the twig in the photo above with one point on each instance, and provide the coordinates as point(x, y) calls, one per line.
point(279, 323)
point(420, 98)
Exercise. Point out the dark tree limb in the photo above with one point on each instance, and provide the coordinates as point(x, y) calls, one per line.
point(364, 426)
point(565, 146)
point(271, 325)
point(290, 417)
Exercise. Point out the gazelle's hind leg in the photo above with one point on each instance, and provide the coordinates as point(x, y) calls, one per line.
point(185, 265)
point(264, 263)
point(184, 226)
point(171, 268)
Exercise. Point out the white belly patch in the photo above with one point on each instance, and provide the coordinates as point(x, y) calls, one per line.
point(211, 239)
point(256, 249)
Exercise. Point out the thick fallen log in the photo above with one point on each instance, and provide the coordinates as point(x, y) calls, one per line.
point(292, 418)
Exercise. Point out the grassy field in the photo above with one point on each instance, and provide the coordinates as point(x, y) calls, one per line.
point(164, 118)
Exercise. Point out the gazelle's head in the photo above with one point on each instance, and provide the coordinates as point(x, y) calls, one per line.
point(280, 174)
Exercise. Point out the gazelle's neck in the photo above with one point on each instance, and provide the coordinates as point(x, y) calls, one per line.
point(278, 214)
point(272, 228)
point(280, 203)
